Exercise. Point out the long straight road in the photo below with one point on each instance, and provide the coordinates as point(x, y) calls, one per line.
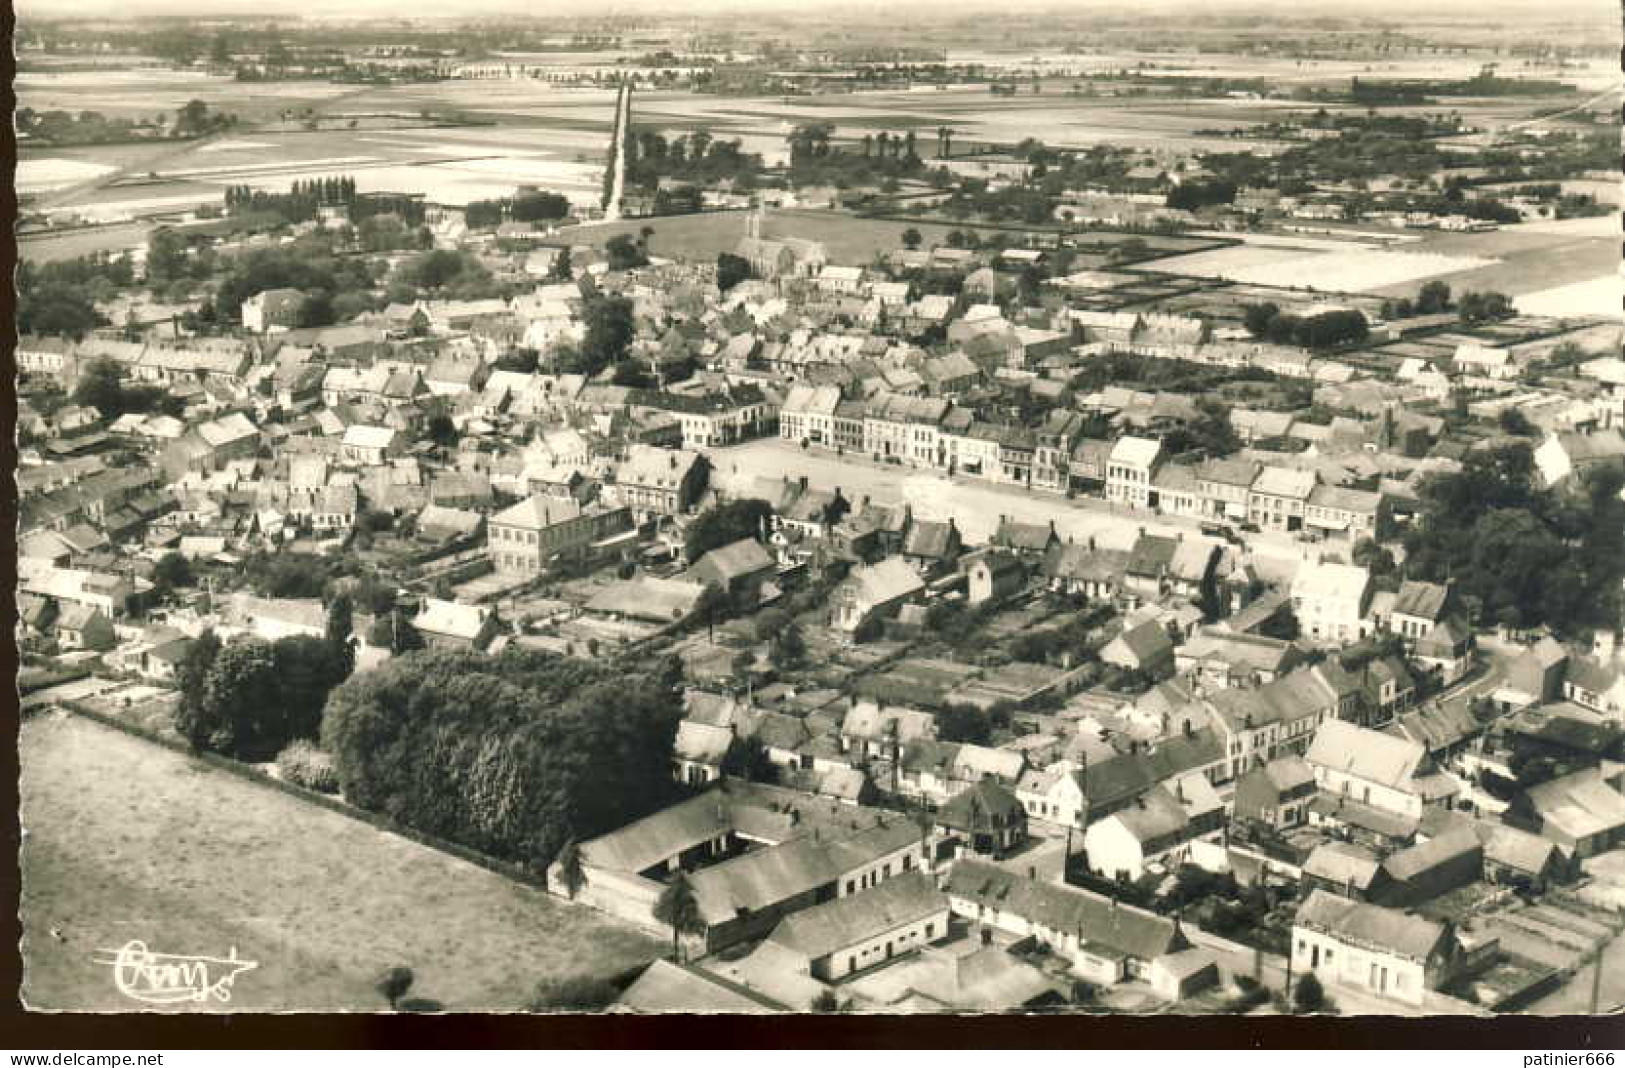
point(623, 124)
point(974, 504)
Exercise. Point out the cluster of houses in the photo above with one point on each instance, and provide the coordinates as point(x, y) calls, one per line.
point(1310, 730)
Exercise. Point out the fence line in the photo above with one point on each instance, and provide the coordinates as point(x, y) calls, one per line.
point(332, 804)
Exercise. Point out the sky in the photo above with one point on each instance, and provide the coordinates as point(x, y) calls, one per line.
point(474, 8)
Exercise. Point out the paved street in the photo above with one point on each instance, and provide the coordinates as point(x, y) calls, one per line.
point(975, 504)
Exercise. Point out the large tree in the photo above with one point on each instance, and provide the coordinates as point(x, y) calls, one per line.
point(680, 910)
point(340, 635)
point(726, 523)
point(240, 712)
point(609, 333)
point(731, 270)
point(571, 872)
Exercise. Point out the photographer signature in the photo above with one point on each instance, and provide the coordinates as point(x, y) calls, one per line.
point(172, 978)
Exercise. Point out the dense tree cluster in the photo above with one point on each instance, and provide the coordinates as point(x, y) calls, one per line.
point(527, 207)
point(59, 298)
point(692, 157)
point(724, 524)
point(1519, 555)
point(447, 273)
point(610, 330)
point(1335, 326)
point(308, 264)
point(299, 204)
point(816, 158)
point(1160, 374)
point(248, 699)
point(625, 253)
point(102, 386)
point(511, 754)
point(1192, 195)
point(731, 270)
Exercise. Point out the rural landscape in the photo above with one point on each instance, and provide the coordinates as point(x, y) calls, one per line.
point(1073, 510)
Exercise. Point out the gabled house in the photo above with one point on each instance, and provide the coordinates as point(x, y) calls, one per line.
point(850, 934)
point(450, 625)
point(993, 576)
point(986, 817)
point(1583, 812)
point(655, 481)
point(1381, 951)
point(932, 547)
point(1027, 540)
point(1145, 648)
point(739, 569)
point(1276, 794)
point(872, 593)
point(1330, 601)
point(1375, 769)
point(1105, 941)
point(525, 537)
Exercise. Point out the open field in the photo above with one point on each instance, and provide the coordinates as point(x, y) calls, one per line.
point(450, 165)
point(1353, 270)
point(1604, 295)
point(847, 238)
point(144, 93)
point(128, 840)
point(1525, 260)
point(69, 244)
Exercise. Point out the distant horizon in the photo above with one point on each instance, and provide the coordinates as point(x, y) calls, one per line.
point(126, 10)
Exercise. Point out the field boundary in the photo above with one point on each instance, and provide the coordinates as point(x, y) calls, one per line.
point(375, 820)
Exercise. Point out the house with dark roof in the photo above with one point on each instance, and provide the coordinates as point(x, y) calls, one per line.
point(1146, 648)
point(739, 568)
point(1583, 812)
point(745, 896)
point(1276, 794)
point(1418, 607)
point(1075, 793)
point(986, 817)
point(1158, 829)
point(1032, 540)
point(993, 576)
point(1426, 870)
point(656, 481)
point(932, 547)
point(1082, 570)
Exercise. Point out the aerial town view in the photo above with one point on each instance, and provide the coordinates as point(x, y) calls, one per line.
point(1067, 508)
